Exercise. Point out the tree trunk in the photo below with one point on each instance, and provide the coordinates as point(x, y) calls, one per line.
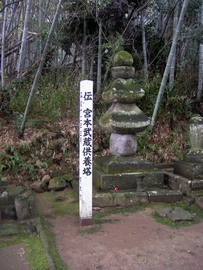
point(84, 49)
point(3, 37)
point(172, 67)
point(22, 55)
point(39, 70)
point(144, 45)
point(168, 64)
point(200, 79)
point(99, 60)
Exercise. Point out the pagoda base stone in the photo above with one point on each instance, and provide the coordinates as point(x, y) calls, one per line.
point(112, 164)
point(124, 181)
point(125, 173)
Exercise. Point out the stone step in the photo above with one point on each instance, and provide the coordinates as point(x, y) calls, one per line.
point(128, 198)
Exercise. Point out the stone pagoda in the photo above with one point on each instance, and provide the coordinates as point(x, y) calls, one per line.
point(191, 167)
point(123, 119)
point(122, 171)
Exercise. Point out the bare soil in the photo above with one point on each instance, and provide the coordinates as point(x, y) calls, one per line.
point(13, 257)
point(130, 242)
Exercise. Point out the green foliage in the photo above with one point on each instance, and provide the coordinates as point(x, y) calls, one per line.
point(151, 90)
point(115, 43)
point(4, 100)
point(55, 98)
point(18, 159)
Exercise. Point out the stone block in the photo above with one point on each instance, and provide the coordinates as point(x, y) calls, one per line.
point(168, 196)
point(195, 156)
point(22, 207)
point(177, 182)
point(188, 169)
point(119, 199)
point(123, 72)
point(123, 144)
point(111, 164)
point(123, 91)
point(57, 183)
point(126, 181)
point(197, 184)
point(14, 192)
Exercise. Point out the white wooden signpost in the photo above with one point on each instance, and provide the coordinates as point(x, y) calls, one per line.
point(85, 155)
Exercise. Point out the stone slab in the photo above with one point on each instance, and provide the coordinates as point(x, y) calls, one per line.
point(112, 164)
point(189, 170)
point(126, 181)
point(163, 212)
point(179, 214)
point(110, 199)
point(168, 196)
point(175, 214)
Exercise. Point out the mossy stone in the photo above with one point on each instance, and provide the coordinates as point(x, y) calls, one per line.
point(122, 58)
point(123, 72)
point(57, 183)
point(124, 119)
point(124, 91)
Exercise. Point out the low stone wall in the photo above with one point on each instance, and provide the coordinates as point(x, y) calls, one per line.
point(16, 203)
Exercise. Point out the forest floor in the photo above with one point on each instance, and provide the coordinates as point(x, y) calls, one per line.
point(125, 241)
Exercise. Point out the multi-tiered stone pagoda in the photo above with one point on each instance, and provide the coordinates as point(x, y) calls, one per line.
point(123, 119)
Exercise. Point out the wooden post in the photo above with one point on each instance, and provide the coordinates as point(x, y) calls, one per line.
point(85, 155)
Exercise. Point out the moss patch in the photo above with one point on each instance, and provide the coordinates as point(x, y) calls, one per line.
point(50, 237)
point(69, 205)
point(35, 252)
point(122, 58)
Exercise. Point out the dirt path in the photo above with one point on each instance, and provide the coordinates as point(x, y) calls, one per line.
point(13, 257)
point(133, 242)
